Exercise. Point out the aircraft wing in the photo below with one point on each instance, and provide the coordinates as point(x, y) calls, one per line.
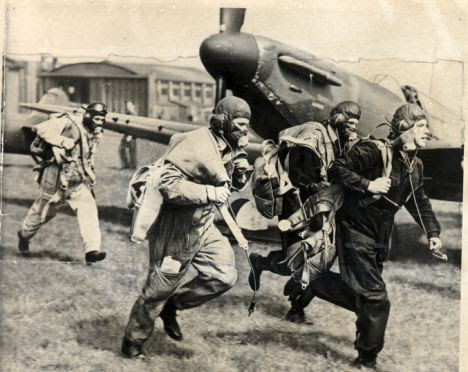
point(138, 126)
point(151, 129)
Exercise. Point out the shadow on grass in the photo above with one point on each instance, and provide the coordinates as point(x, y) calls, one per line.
point(100, 333)
point(11, 165)
point(407, 248)
point(264, 304)
point(448, 292)
point(39, 254)
point(313, 342)
point(49, 255)
point(117, 215)
point(159, 344)
point(107, 333)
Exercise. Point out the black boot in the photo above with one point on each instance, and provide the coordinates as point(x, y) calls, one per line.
point(299, 298)
point(292, 289)
point(23, 244)
point(256, 270)
point(171, 327)
point(130, 349)
point(296, 314)
point(94, 256)
point(365, 360)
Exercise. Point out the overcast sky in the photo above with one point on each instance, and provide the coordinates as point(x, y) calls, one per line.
point(416, 31)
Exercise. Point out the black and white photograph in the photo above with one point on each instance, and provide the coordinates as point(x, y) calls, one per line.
point(233, 186)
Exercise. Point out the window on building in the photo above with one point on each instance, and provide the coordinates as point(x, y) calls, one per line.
point(187, 90)
point(175, 92)
point(198, 90)
point(209, 93)
point(164, 89)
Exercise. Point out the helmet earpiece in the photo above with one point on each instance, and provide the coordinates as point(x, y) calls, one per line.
point(338, 119)
point(87, 116)
point(218, 123)
point(402, 125)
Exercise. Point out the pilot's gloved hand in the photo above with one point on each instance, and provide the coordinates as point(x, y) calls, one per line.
point(435, 245)
point(379, 185)
point(218, 195)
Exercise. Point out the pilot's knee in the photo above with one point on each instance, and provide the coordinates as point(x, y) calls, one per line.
point(377, 300)
point(229, 277)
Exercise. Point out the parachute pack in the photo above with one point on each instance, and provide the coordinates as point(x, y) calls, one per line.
point(144, 198)
point(270, 180)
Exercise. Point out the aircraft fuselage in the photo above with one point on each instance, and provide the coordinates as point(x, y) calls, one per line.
point(286, 86)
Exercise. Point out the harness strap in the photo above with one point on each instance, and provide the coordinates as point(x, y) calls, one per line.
point(84, 147)
point(387, 156)
point(305, 277)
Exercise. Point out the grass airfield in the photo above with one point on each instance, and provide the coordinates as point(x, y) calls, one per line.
point(58, 314)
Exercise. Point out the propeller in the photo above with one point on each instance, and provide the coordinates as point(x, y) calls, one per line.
point(230, 20)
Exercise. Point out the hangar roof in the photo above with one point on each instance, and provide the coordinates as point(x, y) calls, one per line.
point(130, 70)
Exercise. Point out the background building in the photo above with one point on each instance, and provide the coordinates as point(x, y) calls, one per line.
point(20, 83)
point(161, 91)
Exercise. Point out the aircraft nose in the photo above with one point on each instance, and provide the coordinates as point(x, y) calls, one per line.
point(233, 55)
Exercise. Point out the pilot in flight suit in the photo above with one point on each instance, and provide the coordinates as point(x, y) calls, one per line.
point(200, 169)
point(66, 175)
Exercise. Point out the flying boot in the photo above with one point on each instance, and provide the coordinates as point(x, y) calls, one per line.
point(299, 299)
point(23, 244)
point(94, 256)
point(130, 349)
point(365, 360)
point(171, 327)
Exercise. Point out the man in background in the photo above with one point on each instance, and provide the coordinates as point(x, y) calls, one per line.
point(128, 145)
point(66, 175)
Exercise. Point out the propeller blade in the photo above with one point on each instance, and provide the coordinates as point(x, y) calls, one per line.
point(231, 19)
point(220, 89)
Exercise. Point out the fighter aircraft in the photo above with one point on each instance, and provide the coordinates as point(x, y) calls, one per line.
point(284, 87)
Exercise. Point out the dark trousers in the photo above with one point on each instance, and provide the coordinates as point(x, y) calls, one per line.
point(359, 287)
point(128, 153)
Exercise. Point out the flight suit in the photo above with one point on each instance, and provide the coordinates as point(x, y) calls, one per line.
point(365, 225)
point(69, 182)
point(191, 262)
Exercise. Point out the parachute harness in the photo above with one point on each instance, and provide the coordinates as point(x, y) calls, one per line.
point(251, 308)
point(409, 165)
